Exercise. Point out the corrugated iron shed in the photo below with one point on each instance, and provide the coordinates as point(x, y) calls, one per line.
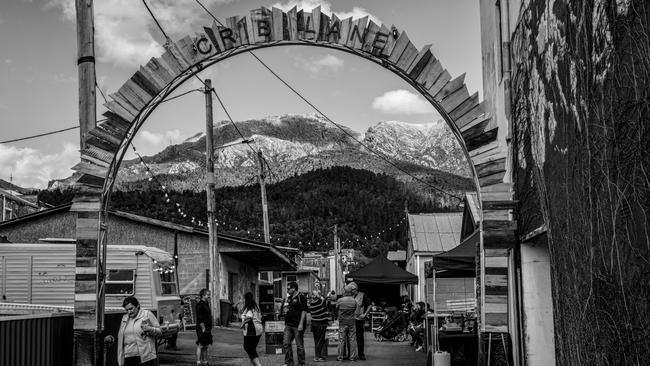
point(435, 232)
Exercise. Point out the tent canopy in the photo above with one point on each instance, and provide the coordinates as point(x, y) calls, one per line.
point(458, 262)
point(382, 271)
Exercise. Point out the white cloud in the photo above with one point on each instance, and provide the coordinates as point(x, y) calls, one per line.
point(317, 64)
point(401, 102)
point(150, 143)
point(326, 7)
point(32, 168)
point(127, 36)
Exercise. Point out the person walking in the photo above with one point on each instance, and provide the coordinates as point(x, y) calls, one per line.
point(360, 319)
point(252, 327)
point(319, 322)
point(203, 327)
point(348, 309)
point(295, 314)
point(136, 338)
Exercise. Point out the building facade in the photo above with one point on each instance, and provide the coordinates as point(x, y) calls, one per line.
point(429, 234)
point(241, 260)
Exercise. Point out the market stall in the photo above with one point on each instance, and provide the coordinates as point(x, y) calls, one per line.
point(381, 280)
point(450, 283)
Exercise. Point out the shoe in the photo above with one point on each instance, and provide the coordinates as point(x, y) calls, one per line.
point(338, 359)
point(418, 349)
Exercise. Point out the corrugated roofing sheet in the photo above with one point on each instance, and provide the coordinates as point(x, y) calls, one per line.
point(435, 232)
point(396, 255)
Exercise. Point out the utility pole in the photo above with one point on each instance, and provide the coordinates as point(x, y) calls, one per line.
point(88, 319)
point(265, 206)
point(337, 262)
point(86, 68)
point(212, 228)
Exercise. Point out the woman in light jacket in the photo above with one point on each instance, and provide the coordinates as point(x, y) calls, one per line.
point(252, 327)
point(136, 339)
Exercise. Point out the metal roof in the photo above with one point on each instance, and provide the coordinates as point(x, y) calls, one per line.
point(396, 255)
point(435, 232)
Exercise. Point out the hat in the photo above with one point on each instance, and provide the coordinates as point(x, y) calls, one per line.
point(353, 286)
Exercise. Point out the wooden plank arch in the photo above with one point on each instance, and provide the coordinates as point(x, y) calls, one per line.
point(389, 47)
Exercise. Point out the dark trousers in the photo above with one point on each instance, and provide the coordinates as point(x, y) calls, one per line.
point(320, 343)
point(291, 333)
point(359, 324)
point(250, 345)
point(135, 361)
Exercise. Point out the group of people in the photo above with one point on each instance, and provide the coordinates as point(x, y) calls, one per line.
point(139, 328)
point(352, 308)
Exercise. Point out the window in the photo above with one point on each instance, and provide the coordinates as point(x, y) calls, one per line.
point(120, 282)
point(168, 283)
point(292, 278)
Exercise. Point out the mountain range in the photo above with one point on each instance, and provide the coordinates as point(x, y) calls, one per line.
point(295, 144)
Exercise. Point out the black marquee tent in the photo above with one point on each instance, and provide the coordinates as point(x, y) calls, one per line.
point(382, 271)
point(381, 280)
point(458, 262)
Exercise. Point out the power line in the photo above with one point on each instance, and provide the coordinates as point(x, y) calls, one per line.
point(44, 134)
point(208, 11)
point(156, 20)
point(39, 135)
point(381, 156)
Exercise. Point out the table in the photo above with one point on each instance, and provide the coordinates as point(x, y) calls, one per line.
point(463, 347)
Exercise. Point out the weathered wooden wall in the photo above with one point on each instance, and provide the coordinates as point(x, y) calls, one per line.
point(581, 71)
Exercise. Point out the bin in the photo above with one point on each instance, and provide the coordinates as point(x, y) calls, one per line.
point(273, 336)
point(226, 310)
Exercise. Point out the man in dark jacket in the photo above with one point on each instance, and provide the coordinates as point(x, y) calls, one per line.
point(295, 317)
point(203, 327)
point(360, 320)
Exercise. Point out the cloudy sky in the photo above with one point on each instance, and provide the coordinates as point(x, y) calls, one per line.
point(38, 74)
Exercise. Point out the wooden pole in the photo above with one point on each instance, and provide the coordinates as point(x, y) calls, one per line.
point(86, 68)
point(338, 271)
point(89, 295)
point(215, 293)
point(265, 206)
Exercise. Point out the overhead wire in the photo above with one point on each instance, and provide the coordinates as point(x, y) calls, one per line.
point(39, 135)
point(381, 156)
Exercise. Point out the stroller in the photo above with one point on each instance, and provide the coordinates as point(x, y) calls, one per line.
point(393, 328)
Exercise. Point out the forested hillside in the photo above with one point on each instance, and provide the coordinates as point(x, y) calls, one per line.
point(368, 209)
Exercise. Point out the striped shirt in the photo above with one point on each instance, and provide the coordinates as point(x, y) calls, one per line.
point(318, 311)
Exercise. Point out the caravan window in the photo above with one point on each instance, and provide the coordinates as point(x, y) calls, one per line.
point(120, 282)
point(168, 283)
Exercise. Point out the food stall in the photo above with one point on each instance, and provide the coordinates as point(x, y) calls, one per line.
point(451, 289)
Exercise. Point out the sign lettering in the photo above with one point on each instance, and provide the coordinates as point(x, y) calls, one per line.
point(334, 30)
point(226, 34)
point(263, 28)
point(310, 34)
point(241, 31)
point(380, 42)
point(356, 30)
point(203, 46)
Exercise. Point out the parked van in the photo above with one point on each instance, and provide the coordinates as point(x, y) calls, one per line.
point(44, 274)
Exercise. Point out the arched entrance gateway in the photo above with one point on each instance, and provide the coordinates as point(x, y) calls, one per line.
point(389, 47)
